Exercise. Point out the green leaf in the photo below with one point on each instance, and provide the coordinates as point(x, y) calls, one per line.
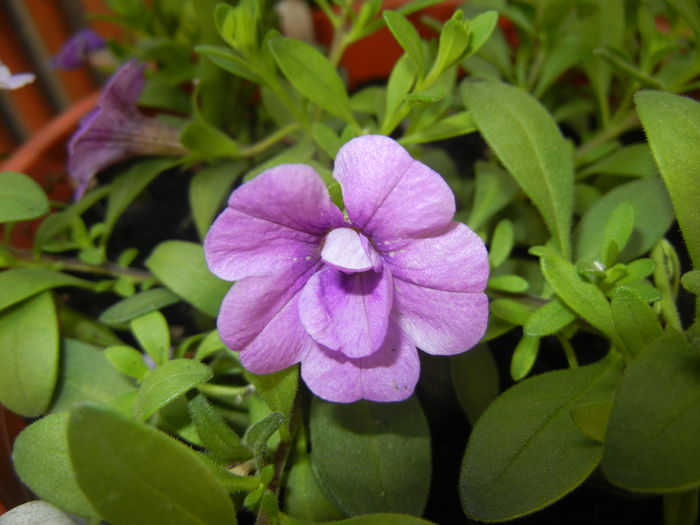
point(313, 75)
point(677, 155)
point(222, 443)
point(207, 191)
point(18, 284)
point(630, 161)
point(208, 141)
point(582, 297)
point(635, 321)
point(165, 383)
point(524, 357)
point(508, 283)
point(278, 389)
point(451, 126)
point(453, 42)
point(525, 451)
point(87, 375)
point(617, 232)
point(480, 29)
point(138, 305)
point(368, 519)
point(259, 434)
point(494, 190)
point(510, 310)
point(653, 214)
point(501, 243)
point(592, 419)
point(372, 457)
point(475, 380)
point(529, 144)
point(153, 334)
point(651, 443)
point(407, 36)
point(29, 355)
point(41, 458)
point(326, 138)
point(180, 266)
point(230, 61)
point(132, 473)
point(21, 198)
point(549, 318)
point(691, 281)
point(400, 82)
point(127, 360)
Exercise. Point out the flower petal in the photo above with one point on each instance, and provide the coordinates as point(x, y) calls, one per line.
point(455, 260)
point(259, 317)
point(273, 222)
point(387, 194)
point(348, 313)
point(390, 374)
point(438, 321)
point(347, 250)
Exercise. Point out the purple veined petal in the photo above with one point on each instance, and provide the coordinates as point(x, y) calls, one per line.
point(387, 194)
point(347, 250)
point(76, 49)
point(124, 87)
point(440, 322)
point(390, 374)
point(275, 221)
point(348, 313)
point(453, 260)
point(259, 317)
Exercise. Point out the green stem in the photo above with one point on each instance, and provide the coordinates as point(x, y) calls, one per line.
point(613, 130)
point(224, 391)
point(569, 352)
point(261, 146)
point(681, 508)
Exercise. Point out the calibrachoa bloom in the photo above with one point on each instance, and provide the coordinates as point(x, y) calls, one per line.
point(9, 81)
point(349, 296)
point(116, 130)
point(77, 49)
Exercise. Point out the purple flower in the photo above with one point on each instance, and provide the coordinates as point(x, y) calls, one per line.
point(116, 130)
point(77, 49)
point(9, 81)
point(350, 297)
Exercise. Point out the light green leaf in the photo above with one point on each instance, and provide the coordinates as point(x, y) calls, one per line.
point(313, 75)
point(501, 243)
point(691, 281)
point(630, 161)
point(635, 322)
point(372, 457)
point(677, 155)
point(651, 443)
point(221, 442)
point(549, 318)
point(208, 141)
point(524, 357)
point(475, 379)
point(259, 434)
point(452, 126)
point(132, 473)
point(617, 232)
point(400, 82)
point(326, 138)
point(407, 37)
point(18, 284)
point(653, 214)
point(21, 198)
point(165, 383)
point(529, 144)
point(480, 29)
point(494, 190)
point(180, 266)
point(525, 451)
point(127, 360)
point(510, 310)
point(87, 375)
point(453, 42)
point(41, 458)
point(278, 389)
point(138, 305)
point(208, 189)
point(508, 283)
point(153, 334)
point(29, 355)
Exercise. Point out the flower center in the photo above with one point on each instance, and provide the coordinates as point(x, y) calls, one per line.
point(349, 251)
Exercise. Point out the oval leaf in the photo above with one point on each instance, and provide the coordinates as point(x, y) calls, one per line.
point(21, 198)
point(372, 457)
point(132, 473)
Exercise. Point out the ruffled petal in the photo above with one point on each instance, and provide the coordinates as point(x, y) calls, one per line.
point(439, 321)
point(348, 313)
point(272, 223)
point(390, 374)
point(455, 260)
point(387, 194)
point(347, 250)
point(259, 317)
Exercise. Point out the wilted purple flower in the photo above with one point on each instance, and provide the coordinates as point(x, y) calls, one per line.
point(16, 81)
point(76, 51)
point(349, 297)
point(116, 130)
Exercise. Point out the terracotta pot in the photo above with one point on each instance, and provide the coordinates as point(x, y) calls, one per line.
point(44, 158)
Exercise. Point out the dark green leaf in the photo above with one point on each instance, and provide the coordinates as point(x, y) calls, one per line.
point(259, 434)
point(635, 321)
point(592, 419)
point(494, 190)
point(525, 451)
point(132, 473)
point(28, 355)
point(208, 141)
point(165, 383)
point(629, 161)
point(651, 443)
point(222, 443)
point(138, 305)
point(524, 357)
point(372, 457)
point(208, 189)
point(87, 375)
point(21, 198)
point(180, 265)
point(475, 380)
point(529, 144)
point(368, 519)
point(677, 155)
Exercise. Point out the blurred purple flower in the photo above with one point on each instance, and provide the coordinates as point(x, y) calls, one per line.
point(350, 298)
point(9, 81)
point(116, 130)
point(76, 51)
